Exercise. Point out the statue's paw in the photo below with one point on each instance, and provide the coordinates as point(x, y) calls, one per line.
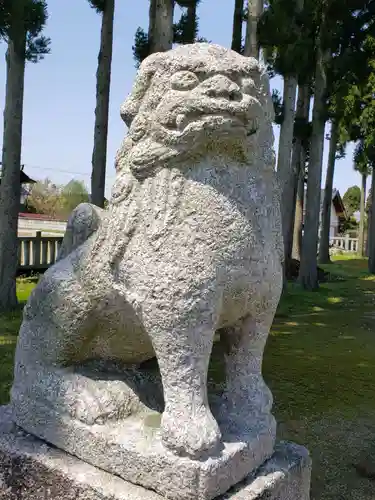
point(99, 402)
point(194, 435)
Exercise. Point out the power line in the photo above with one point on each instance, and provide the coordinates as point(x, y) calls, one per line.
point(71, 172)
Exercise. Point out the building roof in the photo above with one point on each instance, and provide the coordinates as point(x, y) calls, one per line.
point(337, 202)
point(24, 178)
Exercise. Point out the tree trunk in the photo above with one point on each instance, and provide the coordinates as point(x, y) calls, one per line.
point(324, 257)
point(371, 228)
point(368, 242)
point(103, 83)
point(298, 220)
point(361, 239)
point(151, 23)
point(302, 114)
point(255, 9)
point(191, 13)
point(308, 275)
point(162, 28)
point(284, 171)
point(237, 26)
point(298, 171)
point(286, 168)
point(11, 158)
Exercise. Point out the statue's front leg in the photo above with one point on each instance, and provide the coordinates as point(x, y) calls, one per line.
point(247, 397)
point(182, 333)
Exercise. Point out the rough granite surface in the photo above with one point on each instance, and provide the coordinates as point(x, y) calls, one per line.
point(190, 244)
point(82, 223)
point(31, 470)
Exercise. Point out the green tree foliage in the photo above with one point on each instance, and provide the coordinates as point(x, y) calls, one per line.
point(72, 195)
point(361, 160)
point(344, 39)
point(287, 36)
point(56, 201)
point(37, 45)
point(98, 5)
point(324, 39)
point(141, 47)
point(282, 31)
point(277, 106)
point(352, 200)
point(359, 113)
point(341, 35)
point(349, 224)
point(44, 198)
point(352, 84)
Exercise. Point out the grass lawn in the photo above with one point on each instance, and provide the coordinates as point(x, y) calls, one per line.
point(9, 326)
point(320, 365)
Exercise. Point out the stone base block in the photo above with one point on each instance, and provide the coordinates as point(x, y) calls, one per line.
point(32, 470)
point(132, 449)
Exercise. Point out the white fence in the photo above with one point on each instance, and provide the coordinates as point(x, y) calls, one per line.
point(344, 243)
point(37, 253)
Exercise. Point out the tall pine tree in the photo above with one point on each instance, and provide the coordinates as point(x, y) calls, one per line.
point(22, 24)
point(106, 8)
point(286, 36)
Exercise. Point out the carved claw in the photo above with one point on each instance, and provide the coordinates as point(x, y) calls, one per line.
point(190, 435)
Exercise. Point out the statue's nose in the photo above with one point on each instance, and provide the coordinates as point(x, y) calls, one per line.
point(221, 86)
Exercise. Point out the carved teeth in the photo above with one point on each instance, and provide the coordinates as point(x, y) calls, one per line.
point(252, 124)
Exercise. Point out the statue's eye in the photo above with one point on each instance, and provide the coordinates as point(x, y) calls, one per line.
point(184, 80)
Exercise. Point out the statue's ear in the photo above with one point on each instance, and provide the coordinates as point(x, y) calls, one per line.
point(130, 107)
point(142, 83)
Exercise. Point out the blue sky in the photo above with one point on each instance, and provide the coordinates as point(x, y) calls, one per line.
point(60, 90)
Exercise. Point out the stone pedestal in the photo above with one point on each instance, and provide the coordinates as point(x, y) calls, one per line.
point(32, 470)
point(132, 449)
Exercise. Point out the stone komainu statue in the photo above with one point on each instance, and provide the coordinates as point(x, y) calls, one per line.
point(190, 244)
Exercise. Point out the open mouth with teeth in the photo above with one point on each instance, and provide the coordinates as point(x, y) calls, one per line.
point(183, 123)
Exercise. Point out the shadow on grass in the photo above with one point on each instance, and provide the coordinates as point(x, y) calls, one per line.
point(320, 365)
point(320, 356)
